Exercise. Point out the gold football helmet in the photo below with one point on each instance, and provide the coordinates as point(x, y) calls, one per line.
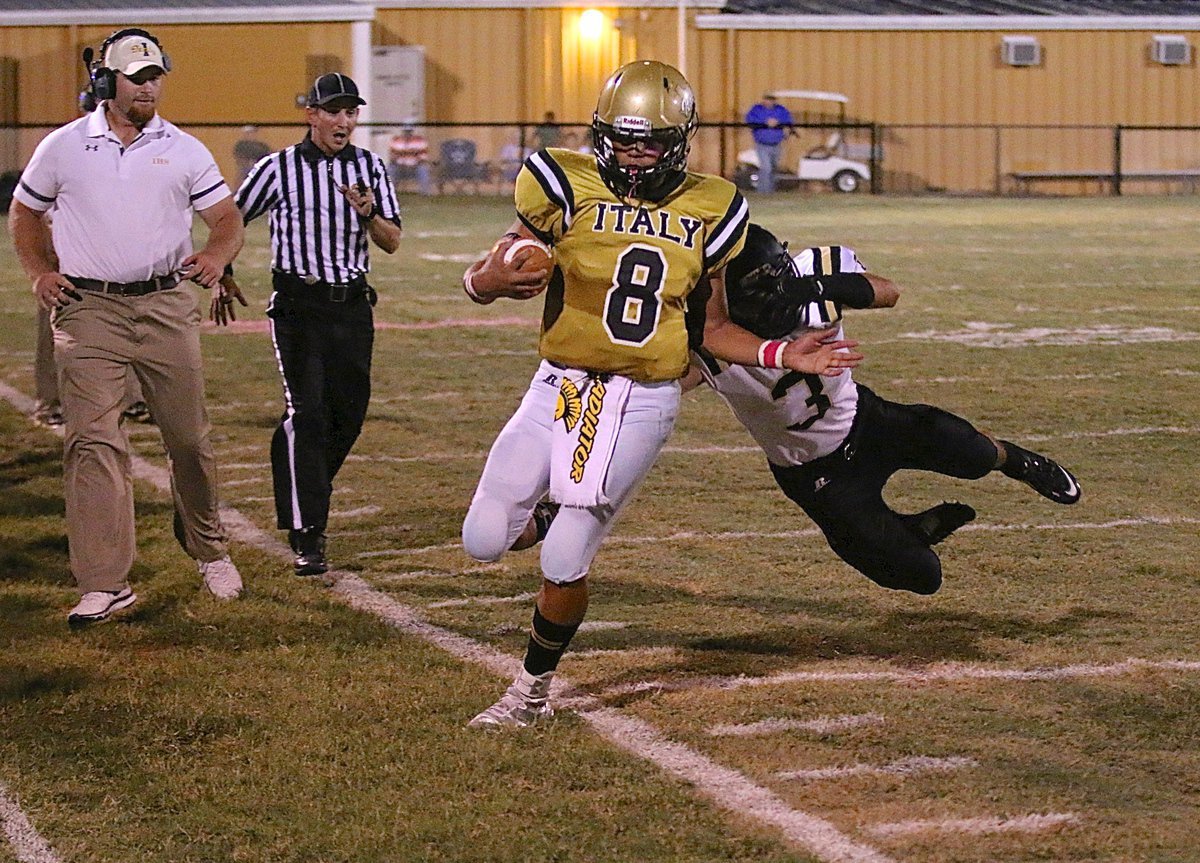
point(644, 100)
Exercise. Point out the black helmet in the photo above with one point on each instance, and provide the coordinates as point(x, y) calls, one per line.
point(756, 285)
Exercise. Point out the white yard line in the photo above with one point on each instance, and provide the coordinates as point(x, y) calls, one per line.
point(599, 625)
point(482, 600)
point(820, 725)
point(626, 653)
point(952, 672)
point(726, 787)
point(903, 767)
point(371, 509)
point(27, 844)
point(1034, 823)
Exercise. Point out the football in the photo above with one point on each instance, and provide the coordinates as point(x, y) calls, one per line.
point(537, 255)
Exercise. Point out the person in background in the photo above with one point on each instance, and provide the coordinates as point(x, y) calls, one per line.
point(124, 185)
point(328, 202)
point(409, 155)
point(769, 122)
point(248, 150)
point(547, 133)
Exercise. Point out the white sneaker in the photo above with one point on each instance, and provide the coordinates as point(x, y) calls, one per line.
point(99, 604)
point(525, 702)
point(222, 578)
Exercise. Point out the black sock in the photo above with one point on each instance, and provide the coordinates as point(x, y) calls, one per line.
point(547, 642)
point(1015, 464)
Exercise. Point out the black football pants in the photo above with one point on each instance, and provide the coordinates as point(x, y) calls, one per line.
point(324, 353)
point(843, 491)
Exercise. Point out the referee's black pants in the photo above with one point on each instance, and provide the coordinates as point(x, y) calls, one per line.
point(843, 491)
point(324, 353)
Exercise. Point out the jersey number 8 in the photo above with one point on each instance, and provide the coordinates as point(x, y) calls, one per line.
point(633, 302)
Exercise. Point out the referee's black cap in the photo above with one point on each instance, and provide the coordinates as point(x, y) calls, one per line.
point(334, 87)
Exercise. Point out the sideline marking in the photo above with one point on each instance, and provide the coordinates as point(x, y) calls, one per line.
point(903, 767)
point(944, 673)
point(820, 725)
point(728, 788)
point(1022, 824)
point(27, 844)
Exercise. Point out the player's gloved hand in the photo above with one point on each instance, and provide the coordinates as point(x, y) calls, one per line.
point(221, 311)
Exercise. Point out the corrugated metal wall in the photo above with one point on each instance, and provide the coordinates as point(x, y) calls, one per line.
point(516, 64)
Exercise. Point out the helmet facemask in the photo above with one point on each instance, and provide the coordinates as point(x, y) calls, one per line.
point(650, 182)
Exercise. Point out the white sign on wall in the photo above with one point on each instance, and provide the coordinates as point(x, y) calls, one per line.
point(398, 84)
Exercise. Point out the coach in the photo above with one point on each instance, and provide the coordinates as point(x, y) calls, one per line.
point(326, 198)
point(124, 184)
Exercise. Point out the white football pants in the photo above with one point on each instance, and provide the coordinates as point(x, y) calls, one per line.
point(517, 476)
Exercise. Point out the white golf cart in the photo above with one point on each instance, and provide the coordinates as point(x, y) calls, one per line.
point(830, 162)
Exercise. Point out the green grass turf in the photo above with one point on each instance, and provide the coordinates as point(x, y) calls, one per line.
point(287, 727)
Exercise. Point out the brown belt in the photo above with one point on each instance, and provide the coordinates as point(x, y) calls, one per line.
point(125, 289)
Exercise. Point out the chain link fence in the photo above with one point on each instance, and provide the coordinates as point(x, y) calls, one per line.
point(483, 158)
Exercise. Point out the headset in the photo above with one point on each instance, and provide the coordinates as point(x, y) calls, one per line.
point(104, 80)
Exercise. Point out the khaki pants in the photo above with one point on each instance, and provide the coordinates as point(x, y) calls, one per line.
point(45, 373)
point(96, 342)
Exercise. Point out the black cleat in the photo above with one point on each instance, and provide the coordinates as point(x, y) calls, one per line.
point(309, 546)
point(1045, 476)
point(938, 522)
point(543, 515)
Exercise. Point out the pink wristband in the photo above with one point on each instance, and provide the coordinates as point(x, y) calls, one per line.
point(770, 354)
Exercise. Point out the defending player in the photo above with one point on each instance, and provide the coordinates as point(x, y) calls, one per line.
point(832, 443)
point(633, 234)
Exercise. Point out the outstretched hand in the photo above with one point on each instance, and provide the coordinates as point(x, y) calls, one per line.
point(221, 311)
point(821, 352)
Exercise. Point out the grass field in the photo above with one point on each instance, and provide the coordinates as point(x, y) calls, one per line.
point(742, 695)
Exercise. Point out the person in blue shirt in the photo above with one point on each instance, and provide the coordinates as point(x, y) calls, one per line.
point(768, 122)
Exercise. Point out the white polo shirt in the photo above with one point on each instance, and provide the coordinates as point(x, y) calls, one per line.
point(121, 214)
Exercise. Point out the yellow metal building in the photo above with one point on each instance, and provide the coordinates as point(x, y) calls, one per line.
point(510, 62)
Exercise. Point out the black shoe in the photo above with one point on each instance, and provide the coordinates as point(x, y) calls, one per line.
point(1045, 476)
point(543, 515)
point(309, 546)
point(938, 522)
point(139, 412)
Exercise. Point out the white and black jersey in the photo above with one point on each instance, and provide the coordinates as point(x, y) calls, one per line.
point(795, 417)
point(314, 230)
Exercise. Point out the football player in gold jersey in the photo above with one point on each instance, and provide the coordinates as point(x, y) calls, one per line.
point(633, 234)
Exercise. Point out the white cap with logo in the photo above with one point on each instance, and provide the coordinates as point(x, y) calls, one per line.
point(131, 54)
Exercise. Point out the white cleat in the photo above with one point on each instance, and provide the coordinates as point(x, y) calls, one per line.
point(97, 605)
point(222, 578)
point(524, 703)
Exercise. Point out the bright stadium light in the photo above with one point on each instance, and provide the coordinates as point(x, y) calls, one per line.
point(592, 24)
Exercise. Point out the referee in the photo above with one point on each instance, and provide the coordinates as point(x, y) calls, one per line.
point(327, 200)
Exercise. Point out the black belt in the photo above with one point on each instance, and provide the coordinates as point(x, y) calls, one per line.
point(335, 292)
point(125, 289)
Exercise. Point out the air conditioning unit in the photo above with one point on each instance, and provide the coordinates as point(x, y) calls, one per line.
point(1021, 50)
point(1171, 50)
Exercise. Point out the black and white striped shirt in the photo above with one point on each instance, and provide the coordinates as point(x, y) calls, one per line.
point(314, 230)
